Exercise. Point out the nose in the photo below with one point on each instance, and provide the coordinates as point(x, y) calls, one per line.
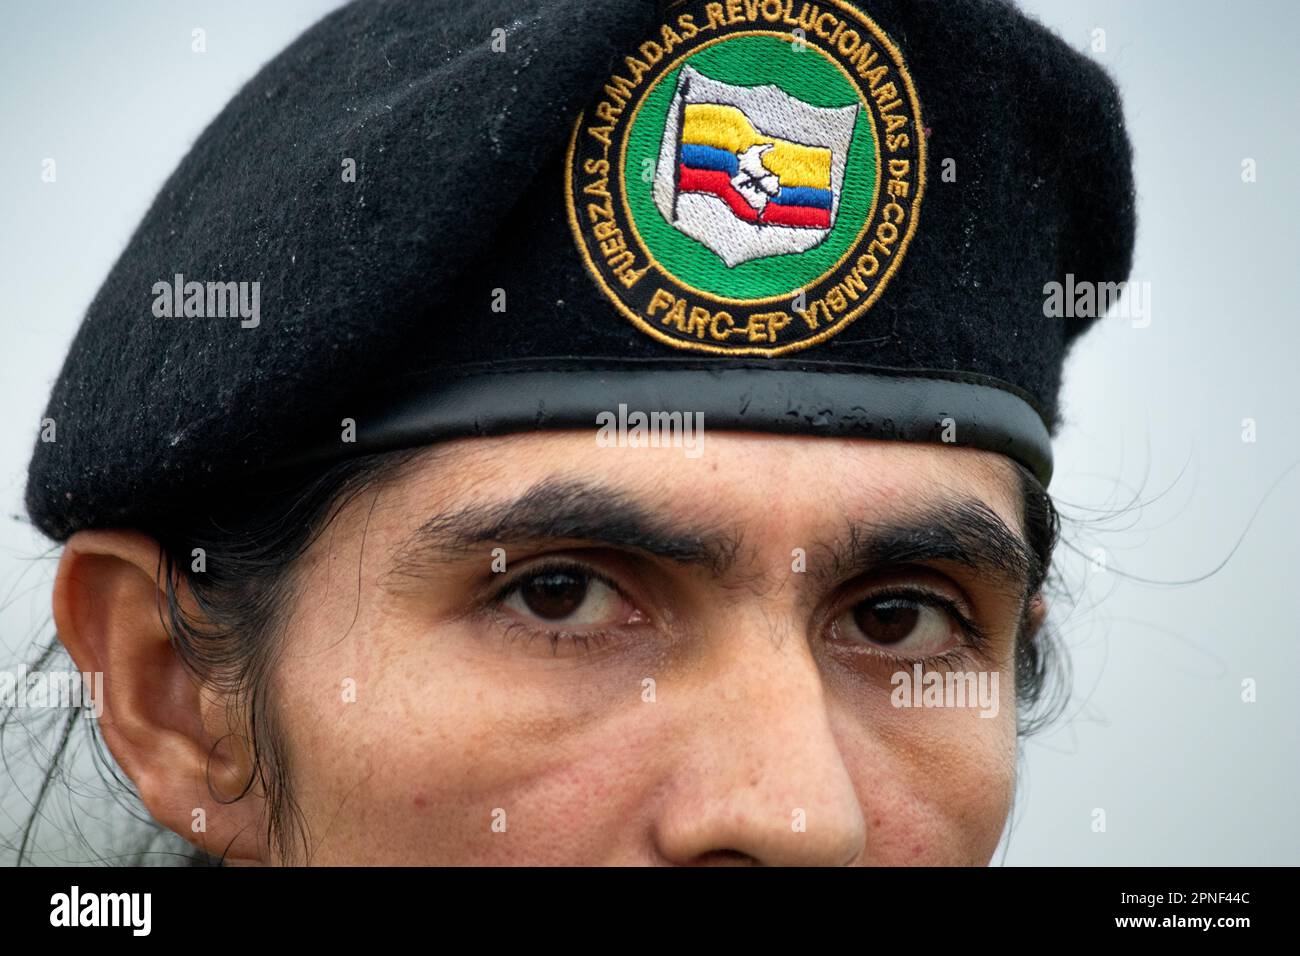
point(761, 779)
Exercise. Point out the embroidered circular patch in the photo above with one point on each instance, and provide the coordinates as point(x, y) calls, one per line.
point(749, 180)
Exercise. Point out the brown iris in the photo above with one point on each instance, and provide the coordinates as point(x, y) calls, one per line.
point(554, 595)
point(887, 621)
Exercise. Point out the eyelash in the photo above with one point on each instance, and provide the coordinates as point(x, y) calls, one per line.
point(975, 638)
point(528, 632)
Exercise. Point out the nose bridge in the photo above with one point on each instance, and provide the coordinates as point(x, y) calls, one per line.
point(762, 774)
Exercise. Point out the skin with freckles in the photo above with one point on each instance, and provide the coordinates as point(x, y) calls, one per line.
point(531, 650)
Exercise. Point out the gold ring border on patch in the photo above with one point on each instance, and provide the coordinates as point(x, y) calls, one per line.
point(848, 318)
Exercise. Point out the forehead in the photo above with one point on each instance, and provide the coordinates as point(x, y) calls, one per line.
point(745, 478)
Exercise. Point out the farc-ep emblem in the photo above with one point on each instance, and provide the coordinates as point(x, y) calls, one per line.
point(749, 182)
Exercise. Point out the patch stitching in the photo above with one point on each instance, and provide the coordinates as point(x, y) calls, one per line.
point(838, 296)
point(761, 300)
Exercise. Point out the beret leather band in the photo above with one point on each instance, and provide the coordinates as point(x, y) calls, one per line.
point(822, 398)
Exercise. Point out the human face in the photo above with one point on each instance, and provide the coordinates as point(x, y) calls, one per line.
point(657, 676)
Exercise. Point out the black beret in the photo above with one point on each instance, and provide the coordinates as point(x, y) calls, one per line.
point(446, 219)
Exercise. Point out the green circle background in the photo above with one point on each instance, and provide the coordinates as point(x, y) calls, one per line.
point(807, 75)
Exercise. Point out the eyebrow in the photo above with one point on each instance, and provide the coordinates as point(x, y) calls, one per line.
point(959, 529)
point(557, 509)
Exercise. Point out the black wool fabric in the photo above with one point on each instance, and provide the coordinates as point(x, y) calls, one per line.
point(1043, 189)
point(459, 152)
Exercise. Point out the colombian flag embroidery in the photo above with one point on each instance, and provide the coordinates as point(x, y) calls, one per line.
point(749, 159)
point(723, 154)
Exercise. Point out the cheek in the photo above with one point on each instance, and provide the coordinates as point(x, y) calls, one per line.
point(935, 785)
point(417, 745)
point(452, 754)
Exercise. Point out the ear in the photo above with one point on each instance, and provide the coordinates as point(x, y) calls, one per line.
point(1035, 615)
point(169, 734)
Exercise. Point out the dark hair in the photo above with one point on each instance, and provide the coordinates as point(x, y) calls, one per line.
point(1042, 680)
point(228, 639)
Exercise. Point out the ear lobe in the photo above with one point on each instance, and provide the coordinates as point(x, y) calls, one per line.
point(166, 732)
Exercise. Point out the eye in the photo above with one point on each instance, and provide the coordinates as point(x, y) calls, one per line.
point(910, 626)
point(573, 597)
